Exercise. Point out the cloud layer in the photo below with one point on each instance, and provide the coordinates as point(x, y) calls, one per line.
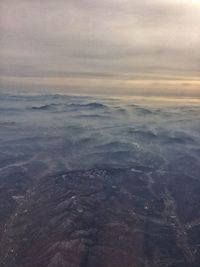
point(115, 46)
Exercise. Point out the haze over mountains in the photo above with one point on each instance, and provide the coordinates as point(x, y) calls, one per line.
point(104, 182)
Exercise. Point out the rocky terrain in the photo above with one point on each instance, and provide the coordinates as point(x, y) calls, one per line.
point(100, 218)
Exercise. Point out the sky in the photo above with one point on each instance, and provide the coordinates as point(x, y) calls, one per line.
point(108, 46)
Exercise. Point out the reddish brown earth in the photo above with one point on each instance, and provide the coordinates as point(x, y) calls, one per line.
point(100, 218)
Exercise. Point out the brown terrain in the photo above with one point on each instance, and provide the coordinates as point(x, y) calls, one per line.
point(99, 218)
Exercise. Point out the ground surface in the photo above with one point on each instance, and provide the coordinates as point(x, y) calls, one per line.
point(100, 218)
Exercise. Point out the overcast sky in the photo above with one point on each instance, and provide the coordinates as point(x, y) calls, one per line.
point(107, 46)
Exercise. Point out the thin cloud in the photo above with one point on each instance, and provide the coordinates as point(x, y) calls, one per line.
point(113, 39)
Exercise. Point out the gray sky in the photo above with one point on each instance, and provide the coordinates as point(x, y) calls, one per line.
point(107, 46)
